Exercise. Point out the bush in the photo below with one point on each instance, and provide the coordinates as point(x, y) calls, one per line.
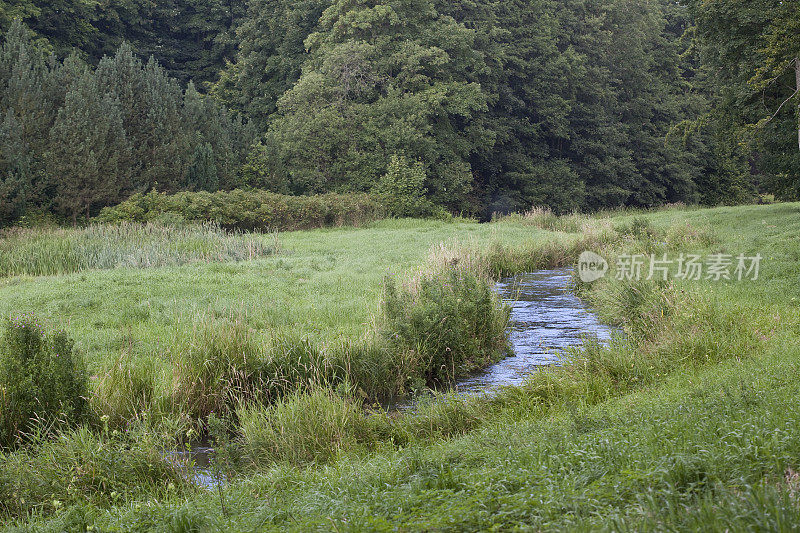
point(250, 210)
point(445, 325)
point(41, 377)
point(402, 189)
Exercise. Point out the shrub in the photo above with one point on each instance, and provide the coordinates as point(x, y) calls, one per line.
point(41, 377)
point(446, 326)
point(250, 210)
point(402, 189)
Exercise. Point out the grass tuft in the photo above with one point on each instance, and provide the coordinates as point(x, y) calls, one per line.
point(304, 427)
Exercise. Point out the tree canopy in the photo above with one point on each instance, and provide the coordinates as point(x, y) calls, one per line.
point(474, 107)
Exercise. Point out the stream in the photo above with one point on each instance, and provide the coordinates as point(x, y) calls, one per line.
point(546, 319)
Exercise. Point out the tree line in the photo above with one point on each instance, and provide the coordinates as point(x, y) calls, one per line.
point(473, 106)
point(74, 139)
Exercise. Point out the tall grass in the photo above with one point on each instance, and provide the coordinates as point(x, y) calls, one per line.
point(544, 218)
point(443, 320)
point(435, 324)
point(445, 326)
point(215, 364)
point(82, 466)
point(47, 252)
point(300, 429)
point(131, 391)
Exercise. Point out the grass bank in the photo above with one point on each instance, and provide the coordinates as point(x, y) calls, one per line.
point(332, 306)
point(684, 423)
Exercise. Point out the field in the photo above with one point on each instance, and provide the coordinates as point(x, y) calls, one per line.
point(687, 422)
point(323, 284)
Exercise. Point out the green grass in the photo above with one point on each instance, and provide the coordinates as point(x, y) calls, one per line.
point(36, 252)
point(710, 450)
point(689, 423)
point(325, 285)
point(323, 291)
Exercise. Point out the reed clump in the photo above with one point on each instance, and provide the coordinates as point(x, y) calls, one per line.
point(54, 251)
point(216, 364)
point(302, 428)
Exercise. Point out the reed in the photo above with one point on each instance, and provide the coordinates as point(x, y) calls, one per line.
point(54, 251)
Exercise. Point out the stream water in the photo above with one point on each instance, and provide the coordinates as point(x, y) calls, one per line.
point(197, 461)
point(546, 319)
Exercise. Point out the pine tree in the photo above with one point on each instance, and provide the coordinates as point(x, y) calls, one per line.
point(151, 104)
point(89, 150)
point(15, 170)
point(31, 91)
point(229, 137)
point(202, 173)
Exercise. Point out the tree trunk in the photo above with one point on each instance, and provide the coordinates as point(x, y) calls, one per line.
point(797, 77)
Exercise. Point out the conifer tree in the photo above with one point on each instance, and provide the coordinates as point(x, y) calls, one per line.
point(202, 173)
point(225, 132)
point(30, 94)
point(89, 152)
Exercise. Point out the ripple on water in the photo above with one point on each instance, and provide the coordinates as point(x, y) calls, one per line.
point(546, 319)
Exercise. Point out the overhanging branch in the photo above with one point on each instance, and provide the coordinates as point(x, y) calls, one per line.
point(781, 106)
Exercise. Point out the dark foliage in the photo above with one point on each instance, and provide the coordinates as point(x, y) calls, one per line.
point(471, 107)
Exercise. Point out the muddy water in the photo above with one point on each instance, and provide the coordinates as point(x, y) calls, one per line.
point(546, 318)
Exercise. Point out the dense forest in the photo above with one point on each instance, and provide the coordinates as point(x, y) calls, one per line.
point(480, 107)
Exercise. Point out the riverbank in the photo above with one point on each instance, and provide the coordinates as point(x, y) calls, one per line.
point(660, 421)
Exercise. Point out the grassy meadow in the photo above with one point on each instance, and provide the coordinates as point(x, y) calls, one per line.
point(688, 421)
